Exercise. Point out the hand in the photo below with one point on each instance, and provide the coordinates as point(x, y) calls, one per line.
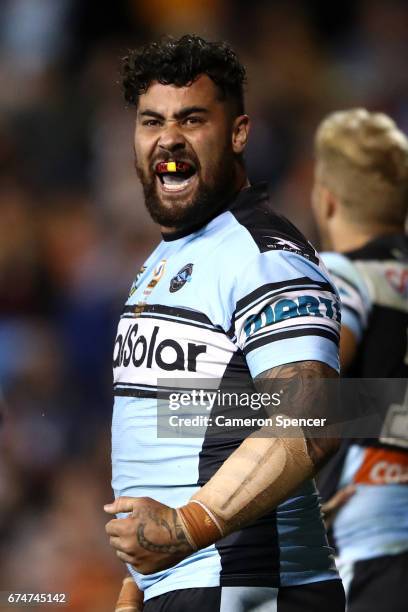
point(130, 597)
point(151, 538)
point(331, 507)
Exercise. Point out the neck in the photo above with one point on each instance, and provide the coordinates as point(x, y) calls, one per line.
point(348, 237)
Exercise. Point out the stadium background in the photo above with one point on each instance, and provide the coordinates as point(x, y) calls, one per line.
point(73, 230)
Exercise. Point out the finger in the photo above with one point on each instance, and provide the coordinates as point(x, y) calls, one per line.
point(121, 504)
point(115, 527)
point(130, 597)
point(116, 543)
point(122, 545)
point(339, 499)
point(345, 494)
point(125, 557)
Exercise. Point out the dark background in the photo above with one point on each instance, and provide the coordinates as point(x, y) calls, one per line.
point(73, 230)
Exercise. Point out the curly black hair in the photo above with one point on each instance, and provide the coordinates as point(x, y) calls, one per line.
point(179, 62)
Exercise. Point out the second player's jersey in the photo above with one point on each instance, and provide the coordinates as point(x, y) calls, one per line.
point(373, 286)
point(239, 296)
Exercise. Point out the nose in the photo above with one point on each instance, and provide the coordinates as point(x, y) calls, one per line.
point(171, 138)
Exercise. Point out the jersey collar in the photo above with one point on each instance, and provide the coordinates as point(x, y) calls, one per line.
point(253, 192)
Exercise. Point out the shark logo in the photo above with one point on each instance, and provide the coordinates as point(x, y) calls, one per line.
point(182, 277)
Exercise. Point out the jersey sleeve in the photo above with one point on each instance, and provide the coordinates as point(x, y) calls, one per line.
point(353, 291)
point(286, 310)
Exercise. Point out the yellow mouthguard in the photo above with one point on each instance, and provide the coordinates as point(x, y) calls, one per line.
point(171, 166)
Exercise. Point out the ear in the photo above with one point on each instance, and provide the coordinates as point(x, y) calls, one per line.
point(332, 204)
point(240, 132)
point(329, 202)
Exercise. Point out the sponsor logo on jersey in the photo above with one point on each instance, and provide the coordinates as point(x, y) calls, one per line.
point(182, 277)
point(137, 350)
point(383, 466)
point(303, 306)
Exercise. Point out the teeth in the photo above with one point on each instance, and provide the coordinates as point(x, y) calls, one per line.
point(171, 179)
point(175, 183)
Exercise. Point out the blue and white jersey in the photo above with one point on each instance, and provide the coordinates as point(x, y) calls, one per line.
point(353, 290)
point(373, 285)
point(241, 295)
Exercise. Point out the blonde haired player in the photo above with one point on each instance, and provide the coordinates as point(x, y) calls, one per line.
point(360, 201)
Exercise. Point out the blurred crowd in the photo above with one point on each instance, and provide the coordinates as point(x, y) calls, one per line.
point(73, 229)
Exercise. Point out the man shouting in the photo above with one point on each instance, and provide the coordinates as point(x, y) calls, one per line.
point(233, 291)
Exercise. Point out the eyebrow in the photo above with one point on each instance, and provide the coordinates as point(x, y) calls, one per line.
point(181, 114)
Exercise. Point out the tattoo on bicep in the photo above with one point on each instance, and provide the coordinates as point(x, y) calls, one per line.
point(304, 394)
point(297, 381)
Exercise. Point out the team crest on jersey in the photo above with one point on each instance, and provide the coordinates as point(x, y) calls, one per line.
point(182, 277)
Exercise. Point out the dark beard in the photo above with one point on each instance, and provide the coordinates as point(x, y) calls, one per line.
point(208, 201)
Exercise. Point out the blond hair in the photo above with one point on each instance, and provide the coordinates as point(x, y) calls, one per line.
point(362, 158)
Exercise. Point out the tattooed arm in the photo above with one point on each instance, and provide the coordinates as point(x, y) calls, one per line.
point(256, 477)
point(150, 538)
point(304, 394)
point(263, 471)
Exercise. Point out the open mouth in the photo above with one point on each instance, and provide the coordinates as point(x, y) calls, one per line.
point(175, 175)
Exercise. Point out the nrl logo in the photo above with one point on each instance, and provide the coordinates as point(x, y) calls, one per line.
point(182, 277)
point(135, 284)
